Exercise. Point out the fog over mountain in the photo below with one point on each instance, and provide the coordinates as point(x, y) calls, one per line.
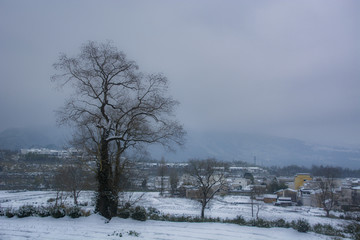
point(34, 137)
point(263, 150)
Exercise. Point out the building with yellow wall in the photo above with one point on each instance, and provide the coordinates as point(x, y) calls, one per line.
point(300, 179)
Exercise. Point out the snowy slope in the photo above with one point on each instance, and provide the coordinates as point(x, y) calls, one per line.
point(94, 227)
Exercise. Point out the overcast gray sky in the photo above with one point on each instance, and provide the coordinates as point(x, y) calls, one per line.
point(286, 68)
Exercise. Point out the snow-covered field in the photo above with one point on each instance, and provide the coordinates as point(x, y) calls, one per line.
point(95, 227)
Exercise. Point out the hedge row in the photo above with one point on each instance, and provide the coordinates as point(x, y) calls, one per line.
point(45, 211)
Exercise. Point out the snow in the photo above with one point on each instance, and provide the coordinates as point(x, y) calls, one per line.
point(94, 227)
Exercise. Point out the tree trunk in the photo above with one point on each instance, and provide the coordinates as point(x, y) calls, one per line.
point(106, 202)
point(75, 197)
point(252, 207)
point(203, 205)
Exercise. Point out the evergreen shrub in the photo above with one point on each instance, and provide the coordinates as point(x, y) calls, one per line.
point(302, 225)
point(139, 214)
point(26, 211)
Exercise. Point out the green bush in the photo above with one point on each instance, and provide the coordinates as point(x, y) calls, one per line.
point(354, 230)
point(259, 223)
point(43, 211)
point(9, 212)
point(281, 223)
point(139, 214)
point(25, 211)
point(302, 225)
point(58, 212)
point(318, 228)
point(239, 220)
point(124, 213)
point(152, 210)
point(74, 212)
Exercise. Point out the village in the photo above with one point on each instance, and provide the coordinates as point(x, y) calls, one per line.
point(24, 170)
point(303, 189)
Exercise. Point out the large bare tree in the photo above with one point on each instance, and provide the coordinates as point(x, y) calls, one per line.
point(209, 176)
point(114, 107)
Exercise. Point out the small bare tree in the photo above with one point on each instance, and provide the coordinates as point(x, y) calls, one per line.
point(70, 179)
point(161, 172)
point(255, 191)
point(174, 180)
point(326, 195)
point(209, 178)
point(59, 187)
point(326, 188)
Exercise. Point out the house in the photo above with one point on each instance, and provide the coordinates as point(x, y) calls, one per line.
point(288, 193)
point(308, 197)
point(300, 179)
point(355, 195)
point(270, 198)
point(237, 183)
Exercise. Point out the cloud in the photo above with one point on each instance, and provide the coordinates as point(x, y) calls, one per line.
point(283, 67)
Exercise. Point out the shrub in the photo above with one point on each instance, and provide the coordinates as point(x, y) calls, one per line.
point(124, 213)
point(152, 210)
point(85, 213)
point(157, 217)
point(262, 223)
point(9, 212)
point(116, 234)
point(329, 230)
point(139, 214)
point(133, 233)
point(251, 222)
point(43, 211)
point(318, 228)
point(354, 230)
point(58, 212)
point(239, 220)
point(74, 212)
point(281, 223)
point(26, 211)
point(84, 204)
point(302, 225)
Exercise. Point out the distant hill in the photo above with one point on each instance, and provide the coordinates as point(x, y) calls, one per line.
point(45, 136)
point(269, 150)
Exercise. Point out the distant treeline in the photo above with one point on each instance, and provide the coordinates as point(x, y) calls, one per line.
point(39, 158)
point(315, 171)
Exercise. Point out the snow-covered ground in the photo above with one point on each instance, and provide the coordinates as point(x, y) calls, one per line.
point(94, 227)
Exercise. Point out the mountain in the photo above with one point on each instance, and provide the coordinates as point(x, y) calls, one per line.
point(44, 136)
point(268, 150)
